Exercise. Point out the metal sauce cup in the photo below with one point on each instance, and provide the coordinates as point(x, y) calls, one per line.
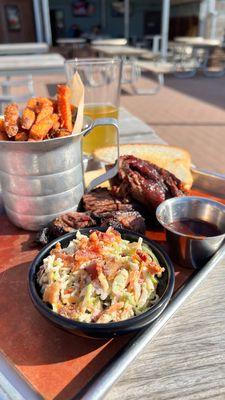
point(190, 250)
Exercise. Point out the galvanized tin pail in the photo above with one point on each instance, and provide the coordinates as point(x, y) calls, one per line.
point(41, 180)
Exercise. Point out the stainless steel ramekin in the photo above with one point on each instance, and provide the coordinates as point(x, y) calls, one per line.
point(190, 250)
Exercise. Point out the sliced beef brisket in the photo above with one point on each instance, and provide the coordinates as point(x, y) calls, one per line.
point(131, 220)
point(101, 200)
point(64, 224)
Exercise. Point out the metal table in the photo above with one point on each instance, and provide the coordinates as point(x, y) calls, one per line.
point(207, 46)
point(73, 41)
point(120, 51)
point(109, 42)
point(23, 48)
point(31, 64)
point(198, 42)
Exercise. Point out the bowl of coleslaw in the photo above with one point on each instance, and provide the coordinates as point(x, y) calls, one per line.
point(101, 282)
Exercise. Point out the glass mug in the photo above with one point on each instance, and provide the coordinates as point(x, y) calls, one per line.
point(101, 78)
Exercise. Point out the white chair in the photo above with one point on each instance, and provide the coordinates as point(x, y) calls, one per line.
point(155, 42)
point(185, 61)
point(7, 96)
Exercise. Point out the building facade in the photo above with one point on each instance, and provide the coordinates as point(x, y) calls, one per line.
point(47, 20)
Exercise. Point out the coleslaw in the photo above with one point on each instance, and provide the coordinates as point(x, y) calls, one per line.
point(101, 278)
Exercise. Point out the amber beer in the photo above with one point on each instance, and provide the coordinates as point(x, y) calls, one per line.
point(101, 78)
point(103, 135)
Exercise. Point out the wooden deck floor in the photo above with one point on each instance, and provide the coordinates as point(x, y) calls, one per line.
point(189, 113)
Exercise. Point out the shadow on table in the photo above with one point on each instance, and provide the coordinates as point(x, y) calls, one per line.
point(27, 338)
point(38, 349)
point(92, 369)
point(13, 237)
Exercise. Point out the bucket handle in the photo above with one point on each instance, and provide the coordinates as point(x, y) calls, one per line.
point(110, 173)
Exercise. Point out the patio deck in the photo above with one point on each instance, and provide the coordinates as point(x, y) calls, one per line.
point(189, 113)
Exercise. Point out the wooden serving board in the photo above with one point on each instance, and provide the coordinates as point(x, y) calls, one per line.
point(55, 363)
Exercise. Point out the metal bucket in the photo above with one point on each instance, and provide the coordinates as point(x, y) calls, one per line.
point(41, 180)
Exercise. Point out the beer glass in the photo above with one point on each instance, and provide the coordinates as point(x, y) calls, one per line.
point(101, 78)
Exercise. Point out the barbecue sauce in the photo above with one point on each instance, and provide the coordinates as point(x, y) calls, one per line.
point(195, 227)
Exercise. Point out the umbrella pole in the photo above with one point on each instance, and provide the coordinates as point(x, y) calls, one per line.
point(103, 14)
point(213, 14)
point(165, 27)
point(127, 19)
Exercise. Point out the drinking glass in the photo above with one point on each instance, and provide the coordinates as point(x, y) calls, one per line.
point(101, 78)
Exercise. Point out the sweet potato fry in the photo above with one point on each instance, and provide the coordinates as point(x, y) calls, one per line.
point(41, 129)
point(64, 109)
point(36, 103)
point(28, 118)
point(11, 115)
point(21, 136)
point(46, 111)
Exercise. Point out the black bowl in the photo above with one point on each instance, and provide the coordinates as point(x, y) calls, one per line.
point(111, 329)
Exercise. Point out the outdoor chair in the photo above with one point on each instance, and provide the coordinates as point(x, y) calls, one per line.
point(153, 42)
point(7, 96)
point(185, 61)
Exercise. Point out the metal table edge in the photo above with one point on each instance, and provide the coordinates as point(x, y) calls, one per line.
point(13, 385)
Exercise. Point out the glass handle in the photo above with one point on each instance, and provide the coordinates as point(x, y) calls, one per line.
point(110, 173)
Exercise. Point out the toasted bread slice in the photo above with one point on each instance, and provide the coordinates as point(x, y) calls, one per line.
point(90, 175)
point(174, 159)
